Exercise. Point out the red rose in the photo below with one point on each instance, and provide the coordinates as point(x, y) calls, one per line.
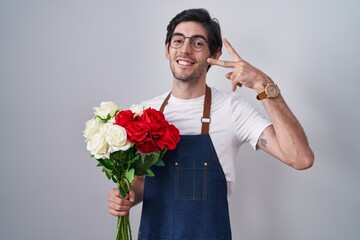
point(170, 138)
point(147, 146)
point(156, 121)
point(137, 131)
point(123, 118)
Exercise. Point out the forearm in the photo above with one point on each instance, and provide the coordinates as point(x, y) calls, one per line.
point(286, 139)
point(290, 143)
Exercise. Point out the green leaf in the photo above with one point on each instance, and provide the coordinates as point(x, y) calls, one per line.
point(108, 173)
point(160, 163)
point(149, 173)
point(113, 178)
point(130, 175)
point(162, 153)
point(126, 185)
point(135, 158)
point(106, 163)
point(117, 155)
point(142, 156)
point(154, 158)
point(150, 159)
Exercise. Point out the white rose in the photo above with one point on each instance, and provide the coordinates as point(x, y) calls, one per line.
point(91, 128)
point(137, 109)
point(105, 109)
point(98, 146)
point(116, 137)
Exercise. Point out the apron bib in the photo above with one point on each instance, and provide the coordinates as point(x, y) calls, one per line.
point(187, 199)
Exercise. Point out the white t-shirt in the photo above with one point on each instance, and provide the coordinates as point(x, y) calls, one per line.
point(233, 122)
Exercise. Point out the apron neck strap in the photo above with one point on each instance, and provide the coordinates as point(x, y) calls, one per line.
point(165, 103)
point(205, 120)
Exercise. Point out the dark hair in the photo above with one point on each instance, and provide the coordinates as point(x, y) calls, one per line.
point(202, 16)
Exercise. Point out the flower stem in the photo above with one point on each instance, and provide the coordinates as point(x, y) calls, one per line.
point(123, 229)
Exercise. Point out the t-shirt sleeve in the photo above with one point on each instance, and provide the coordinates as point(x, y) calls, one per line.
point(248, 122)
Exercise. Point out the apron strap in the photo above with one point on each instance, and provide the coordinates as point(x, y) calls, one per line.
point(165, 103)
point(205, 120)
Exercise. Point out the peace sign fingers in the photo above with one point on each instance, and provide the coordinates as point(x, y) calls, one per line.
point(227, 64)
point(221, 63)
point(234, 55)
point(242, 72)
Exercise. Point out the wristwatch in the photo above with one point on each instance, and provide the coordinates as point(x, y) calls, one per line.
point(271, 91)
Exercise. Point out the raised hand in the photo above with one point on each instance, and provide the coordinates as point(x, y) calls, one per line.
point(242, 72)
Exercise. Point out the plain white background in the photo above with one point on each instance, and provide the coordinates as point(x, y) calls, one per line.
point(59, 59)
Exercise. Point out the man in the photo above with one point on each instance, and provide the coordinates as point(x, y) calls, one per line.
point(188, 198)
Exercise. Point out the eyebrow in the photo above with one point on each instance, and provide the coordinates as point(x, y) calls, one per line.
point(193, 36)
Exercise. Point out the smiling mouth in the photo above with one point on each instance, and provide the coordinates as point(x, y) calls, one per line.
point(185, 62)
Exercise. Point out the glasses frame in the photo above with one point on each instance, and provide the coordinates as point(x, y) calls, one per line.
point(191, 41)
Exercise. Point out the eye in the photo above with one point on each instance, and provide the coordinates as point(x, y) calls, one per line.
point(198, 42)
point(177, 40)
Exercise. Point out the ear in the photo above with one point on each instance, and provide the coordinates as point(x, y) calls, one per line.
point(167, 51)
point(217, 54)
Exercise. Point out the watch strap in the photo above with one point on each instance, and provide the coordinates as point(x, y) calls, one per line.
point(262, 95)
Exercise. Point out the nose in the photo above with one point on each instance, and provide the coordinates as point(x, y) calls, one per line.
point(186, 47)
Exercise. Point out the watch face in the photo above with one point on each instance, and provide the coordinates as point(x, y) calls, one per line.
point(271, 91)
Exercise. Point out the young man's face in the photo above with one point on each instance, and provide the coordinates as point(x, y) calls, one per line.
point(187, 64)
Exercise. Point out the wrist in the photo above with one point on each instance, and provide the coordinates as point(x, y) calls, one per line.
point(262, 83)
point(270, 91)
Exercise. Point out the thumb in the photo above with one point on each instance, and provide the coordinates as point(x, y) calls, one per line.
point(132, 196)
point(228, 75)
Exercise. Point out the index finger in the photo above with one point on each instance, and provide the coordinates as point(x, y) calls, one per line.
point(221, 63)
point(235, 56)
point(115, 192)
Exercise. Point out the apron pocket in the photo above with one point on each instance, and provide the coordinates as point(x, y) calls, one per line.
point(191, 181)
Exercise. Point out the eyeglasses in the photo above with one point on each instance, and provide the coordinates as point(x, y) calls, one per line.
point(197, 43)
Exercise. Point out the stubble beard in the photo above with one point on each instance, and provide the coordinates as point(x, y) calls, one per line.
point(188, 78)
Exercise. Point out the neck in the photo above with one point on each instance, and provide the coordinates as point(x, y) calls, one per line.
point(188, 90)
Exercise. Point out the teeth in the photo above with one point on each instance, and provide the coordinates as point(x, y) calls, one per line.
point(185, 63)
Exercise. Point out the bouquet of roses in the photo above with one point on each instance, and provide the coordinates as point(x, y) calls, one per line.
point(126, 143)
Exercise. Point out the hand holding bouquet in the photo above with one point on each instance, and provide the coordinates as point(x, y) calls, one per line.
point(127, 143)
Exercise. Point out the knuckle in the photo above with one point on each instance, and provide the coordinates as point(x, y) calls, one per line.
point(240, 72)
point(118, 201)
point(114, 213)
point(117, 207)
point(113, 192)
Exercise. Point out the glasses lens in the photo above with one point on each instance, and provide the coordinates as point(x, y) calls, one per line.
point(177, 41)
point(198, 44)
